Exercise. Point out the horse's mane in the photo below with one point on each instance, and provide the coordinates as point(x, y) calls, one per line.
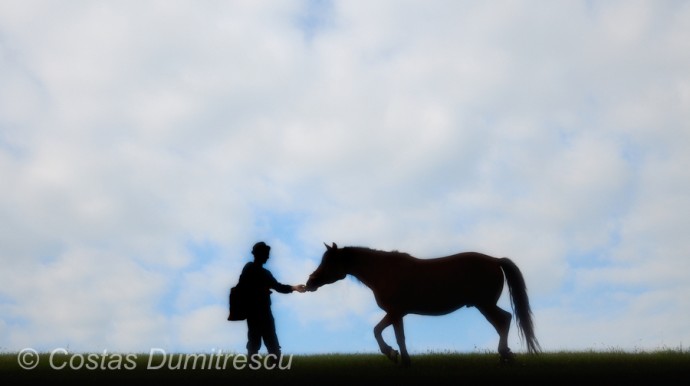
point(379, 253)
point(377, 257)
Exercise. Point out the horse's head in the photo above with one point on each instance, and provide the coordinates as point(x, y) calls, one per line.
point(331, 269)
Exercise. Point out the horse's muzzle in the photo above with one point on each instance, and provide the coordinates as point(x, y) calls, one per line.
point(311, 285)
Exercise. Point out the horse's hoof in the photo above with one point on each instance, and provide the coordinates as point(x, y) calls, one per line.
point(507, 357)
point(406, 362)
point(393, 355)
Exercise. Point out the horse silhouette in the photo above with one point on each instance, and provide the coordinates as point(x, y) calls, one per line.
point(403, 284)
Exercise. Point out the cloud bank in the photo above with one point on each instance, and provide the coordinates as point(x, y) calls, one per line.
point(145, 146)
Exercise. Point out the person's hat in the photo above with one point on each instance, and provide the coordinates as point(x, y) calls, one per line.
point(260, 247)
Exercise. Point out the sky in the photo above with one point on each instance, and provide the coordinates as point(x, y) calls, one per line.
point(145, 146)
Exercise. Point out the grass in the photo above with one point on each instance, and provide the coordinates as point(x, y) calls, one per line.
point(658, 368)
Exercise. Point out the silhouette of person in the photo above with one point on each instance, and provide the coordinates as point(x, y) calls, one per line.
point(259, 282)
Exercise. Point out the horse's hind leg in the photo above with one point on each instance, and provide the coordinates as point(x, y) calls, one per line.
point(400, 338)
point(500, 319)
point(387, 350)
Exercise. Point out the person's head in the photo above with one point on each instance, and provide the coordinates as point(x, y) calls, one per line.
point(261, 252)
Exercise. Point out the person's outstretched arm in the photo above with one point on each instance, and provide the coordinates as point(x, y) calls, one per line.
point(284, 288)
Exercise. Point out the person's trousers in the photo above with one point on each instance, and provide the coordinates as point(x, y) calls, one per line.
point(261, 327)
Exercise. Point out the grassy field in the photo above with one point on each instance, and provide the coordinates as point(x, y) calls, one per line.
point(658, 368)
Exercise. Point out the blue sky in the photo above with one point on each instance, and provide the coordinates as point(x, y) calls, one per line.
point(146, 146)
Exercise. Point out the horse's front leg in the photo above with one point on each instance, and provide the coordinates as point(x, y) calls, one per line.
point(387, 350)
point(400, 338)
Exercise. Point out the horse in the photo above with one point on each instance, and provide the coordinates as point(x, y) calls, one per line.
point(403, 284)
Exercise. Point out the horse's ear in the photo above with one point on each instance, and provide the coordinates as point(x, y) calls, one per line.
point(334, 246)
point(327, 247)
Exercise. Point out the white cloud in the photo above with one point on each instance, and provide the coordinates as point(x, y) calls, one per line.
point(84, 299)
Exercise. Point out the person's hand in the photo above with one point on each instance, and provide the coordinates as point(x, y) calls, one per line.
point(299, 288)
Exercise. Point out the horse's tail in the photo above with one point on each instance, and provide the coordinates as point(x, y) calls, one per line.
point(520, 303)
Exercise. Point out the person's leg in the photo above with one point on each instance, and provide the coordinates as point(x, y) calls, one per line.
point(254, 332)
point(269, 334)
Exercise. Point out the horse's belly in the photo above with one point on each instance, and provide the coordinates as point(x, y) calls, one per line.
point(421, 306)
point(431, 306)
point(435, 311)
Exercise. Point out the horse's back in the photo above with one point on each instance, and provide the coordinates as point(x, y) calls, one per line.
point(463, 264)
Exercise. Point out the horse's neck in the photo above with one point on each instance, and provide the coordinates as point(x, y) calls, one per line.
point(370, 267)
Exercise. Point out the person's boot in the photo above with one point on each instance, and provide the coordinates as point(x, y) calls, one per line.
point(273, 360)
